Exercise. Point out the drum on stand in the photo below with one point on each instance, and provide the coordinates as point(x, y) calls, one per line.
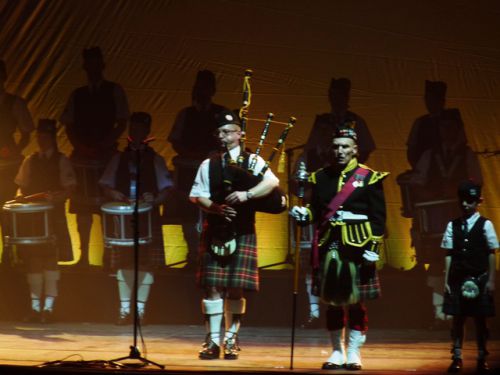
point(28, 223)
point(433, 216)
point(88, 173)
point(118, 224)
point(406, 188)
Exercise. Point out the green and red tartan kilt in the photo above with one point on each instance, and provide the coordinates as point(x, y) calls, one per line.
point(239, 270)
point(370, 289)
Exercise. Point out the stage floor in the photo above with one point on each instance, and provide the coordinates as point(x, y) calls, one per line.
point(263, 349)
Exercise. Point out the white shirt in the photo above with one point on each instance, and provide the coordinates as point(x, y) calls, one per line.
point(201, 185)
point(66, 173)
point(488, 231)
point(163, 179)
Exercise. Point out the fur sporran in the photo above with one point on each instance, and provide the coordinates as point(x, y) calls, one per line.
point(471, 286)
point(223, 241)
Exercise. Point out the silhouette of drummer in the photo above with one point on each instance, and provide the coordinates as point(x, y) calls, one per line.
point(318, 146)
point(433, 182)
point(95, 117)
point(46, 177)
point(192, 139)
point(14, 116)
point(120, 184)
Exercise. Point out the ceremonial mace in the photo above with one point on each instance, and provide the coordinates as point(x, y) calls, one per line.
point(301, 177)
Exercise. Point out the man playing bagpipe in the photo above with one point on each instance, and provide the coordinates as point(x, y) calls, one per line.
point(348, 207)
point(228, 249)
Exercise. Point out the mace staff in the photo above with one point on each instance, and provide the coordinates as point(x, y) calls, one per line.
point(301, 177)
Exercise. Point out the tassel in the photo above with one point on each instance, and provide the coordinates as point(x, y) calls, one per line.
point(282, 161)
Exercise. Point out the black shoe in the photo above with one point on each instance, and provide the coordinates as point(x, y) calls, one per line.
point(482, 366)
point(210, 350)
point(231, 348)
point(456, 365)
point(331, 366)
point(33, 317)
point(124, 319)
point(353, 366)
point(47, 317)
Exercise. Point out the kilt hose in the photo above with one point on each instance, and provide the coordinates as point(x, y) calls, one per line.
point(239, 270)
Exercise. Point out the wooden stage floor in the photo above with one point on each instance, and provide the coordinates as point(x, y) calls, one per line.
point(264, 349)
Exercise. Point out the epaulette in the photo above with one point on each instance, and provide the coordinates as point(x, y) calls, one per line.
point(312, 176)
point(375, 175)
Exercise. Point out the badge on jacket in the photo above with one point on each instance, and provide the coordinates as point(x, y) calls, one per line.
point(358, 180)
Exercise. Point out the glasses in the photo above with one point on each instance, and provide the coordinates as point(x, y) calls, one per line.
point(224, 131)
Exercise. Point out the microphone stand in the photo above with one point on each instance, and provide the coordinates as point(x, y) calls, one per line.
point(134, 350)
point(301, 178)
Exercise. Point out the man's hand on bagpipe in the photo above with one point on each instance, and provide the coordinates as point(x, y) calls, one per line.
point(225, 210)
point(237, 197)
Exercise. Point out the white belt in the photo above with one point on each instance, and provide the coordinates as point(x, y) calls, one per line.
point(348, 217)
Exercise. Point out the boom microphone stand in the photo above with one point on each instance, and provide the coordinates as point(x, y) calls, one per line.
point(134, 350)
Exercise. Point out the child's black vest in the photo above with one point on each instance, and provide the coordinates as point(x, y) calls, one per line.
point(470, 250)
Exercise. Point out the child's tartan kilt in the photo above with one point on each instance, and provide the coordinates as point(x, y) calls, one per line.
point(239, 270)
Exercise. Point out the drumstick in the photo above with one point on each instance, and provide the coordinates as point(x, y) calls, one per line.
point(31, 197)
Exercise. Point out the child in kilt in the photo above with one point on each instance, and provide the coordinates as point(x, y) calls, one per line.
point(470, 242)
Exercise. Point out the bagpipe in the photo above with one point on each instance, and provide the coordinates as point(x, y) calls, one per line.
point(242, 175)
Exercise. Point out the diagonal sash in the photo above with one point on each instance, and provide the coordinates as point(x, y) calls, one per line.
point(337, 201)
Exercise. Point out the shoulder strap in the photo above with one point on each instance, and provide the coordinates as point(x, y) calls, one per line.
point(346, 191)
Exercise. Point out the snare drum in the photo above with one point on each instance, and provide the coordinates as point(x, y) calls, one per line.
point(28, 223)
point(433, 216)
point(118, 225)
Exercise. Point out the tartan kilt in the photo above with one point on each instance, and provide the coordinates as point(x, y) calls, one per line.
point(367, 282)
point(369, 288)
point(151, 256)
point(239, 270)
